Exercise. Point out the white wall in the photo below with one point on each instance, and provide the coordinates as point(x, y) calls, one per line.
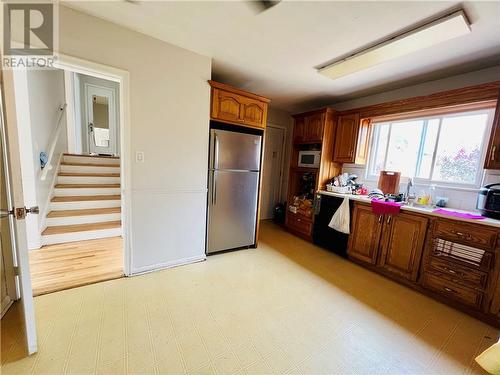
point(284, 119)
point(458, 198)
point(39, 95)
point(169, 116)
point(46, 96)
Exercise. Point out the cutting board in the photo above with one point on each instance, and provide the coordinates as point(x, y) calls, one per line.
point(388, 182)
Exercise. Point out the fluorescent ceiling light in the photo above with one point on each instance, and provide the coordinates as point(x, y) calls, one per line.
point(430, 34)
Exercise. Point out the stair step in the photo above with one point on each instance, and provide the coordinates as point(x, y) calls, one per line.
point(62, 229)
point(67, 167)
point(82, 215)
point(92, 156)
point(70, 174)
point(91, 211)
point(86, 186)
point(90, 164)
point(79, 198)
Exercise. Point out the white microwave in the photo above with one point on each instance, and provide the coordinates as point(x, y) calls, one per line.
point(309, 159)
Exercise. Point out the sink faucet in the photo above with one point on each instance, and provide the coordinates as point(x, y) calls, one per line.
point(408, 188)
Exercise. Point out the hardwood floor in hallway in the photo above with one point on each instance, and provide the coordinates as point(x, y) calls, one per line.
point(73, 264)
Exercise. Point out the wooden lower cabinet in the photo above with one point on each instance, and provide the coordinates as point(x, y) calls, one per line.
point(402, 244)
point(452, 290)
point(391, 242)
point(299, 224)
point(494, 307)
point(453, 261)
point(365, 235)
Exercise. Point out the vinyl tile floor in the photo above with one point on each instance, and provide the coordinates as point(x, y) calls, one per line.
point(287, 307)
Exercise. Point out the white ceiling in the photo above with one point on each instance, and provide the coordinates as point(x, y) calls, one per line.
point(275, 53)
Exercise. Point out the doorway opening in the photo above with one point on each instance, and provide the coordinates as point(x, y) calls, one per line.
point(70, 148)
point(272, 178)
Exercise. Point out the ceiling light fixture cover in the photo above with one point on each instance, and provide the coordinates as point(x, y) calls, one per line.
point(430, 34)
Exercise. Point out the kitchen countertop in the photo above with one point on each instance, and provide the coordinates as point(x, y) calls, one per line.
point(420, 209)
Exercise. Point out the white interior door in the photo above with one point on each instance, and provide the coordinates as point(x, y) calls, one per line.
point(14, 195)
point(101, 119)
point(9, 291)
point(273, 170)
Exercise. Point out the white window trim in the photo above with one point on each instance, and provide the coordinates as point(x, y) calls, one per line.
point(427, 182)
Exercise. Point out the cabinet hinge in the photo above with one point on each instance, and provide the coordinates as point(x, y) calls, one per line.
point(16, 271)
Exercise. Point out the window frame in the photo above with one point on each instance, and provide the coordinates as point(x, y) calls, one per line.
point(374, 144)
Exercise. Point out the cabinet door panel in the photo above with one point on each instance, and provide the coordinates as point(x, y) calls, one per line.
point(493, 156)
point(227, 106)
point(362, 142)
point(365, 235)
point(314, 127)
point(253, 112)
point(346, 138)
point(403, 242)
point(299, 130)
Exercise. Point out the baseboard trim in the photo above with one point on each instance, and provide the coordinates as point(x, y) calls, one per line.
point(6, 304)
point(165, 265)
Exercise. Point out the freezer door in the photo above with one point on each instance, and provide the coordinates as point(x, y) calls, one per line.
point(236, 151)
point(232, 210)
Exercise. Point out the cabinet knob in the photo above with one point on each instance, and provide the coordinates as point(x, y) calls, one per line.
point(493, 151)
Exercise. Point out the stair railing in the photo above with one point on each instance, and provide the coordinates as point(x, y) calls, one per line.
point(55, 138)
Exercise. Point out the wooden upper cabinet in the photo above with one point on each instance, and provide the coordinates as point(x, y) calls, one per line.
point(493, 155)
point(402, 244)
point(346, 138)
point(236, 106)
point(363, 140)
point(310, 127)
point(227, 105)
point(299, 130)
point(315, 125)
point(365, 235)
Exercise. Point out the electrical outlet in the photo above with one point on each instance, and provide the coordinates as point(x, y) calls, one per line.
point(139, 157)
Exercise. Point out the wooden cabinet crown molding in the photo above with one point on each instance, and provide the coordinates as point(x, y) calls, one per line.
point(235, 90)
point(469, 94)
point(326, 110)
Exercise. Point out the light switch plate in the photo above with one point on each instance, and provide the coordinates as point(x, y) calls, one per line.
point(139, 157)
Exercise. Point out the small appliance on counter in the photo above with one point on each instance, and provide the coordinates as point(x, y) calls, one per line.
point(488, 201)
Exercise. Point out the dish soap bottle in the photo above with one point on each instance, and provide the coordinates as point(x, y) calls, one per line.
point(432, 195)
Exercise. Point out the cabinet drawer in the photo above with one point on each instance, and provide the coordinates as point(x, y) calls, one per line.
point(452, 290)
point(469, 234)
point(299, 224)
point(473, 278)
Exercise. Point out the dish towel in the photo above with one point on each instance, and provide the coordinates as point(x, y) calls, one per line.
point(341, 217)
point(380, 207)
point(462, 215)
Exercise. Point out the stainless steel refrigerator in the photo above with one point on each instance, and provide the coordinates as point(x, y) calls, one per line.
point(233, 189)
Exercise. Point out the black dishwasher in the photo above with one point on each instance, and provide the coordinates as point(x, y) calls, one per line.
point(323, 235)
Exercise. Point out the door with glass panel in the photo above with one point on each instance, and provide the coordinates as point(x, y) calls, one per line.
point(101, 120)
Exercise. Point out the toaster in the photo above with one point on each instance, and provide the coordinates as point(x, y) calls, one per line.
point(488, 201)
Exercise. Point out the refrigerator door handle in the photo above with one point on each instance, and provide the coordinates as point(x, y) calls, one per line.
point(216, 151)
point(214, 189)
